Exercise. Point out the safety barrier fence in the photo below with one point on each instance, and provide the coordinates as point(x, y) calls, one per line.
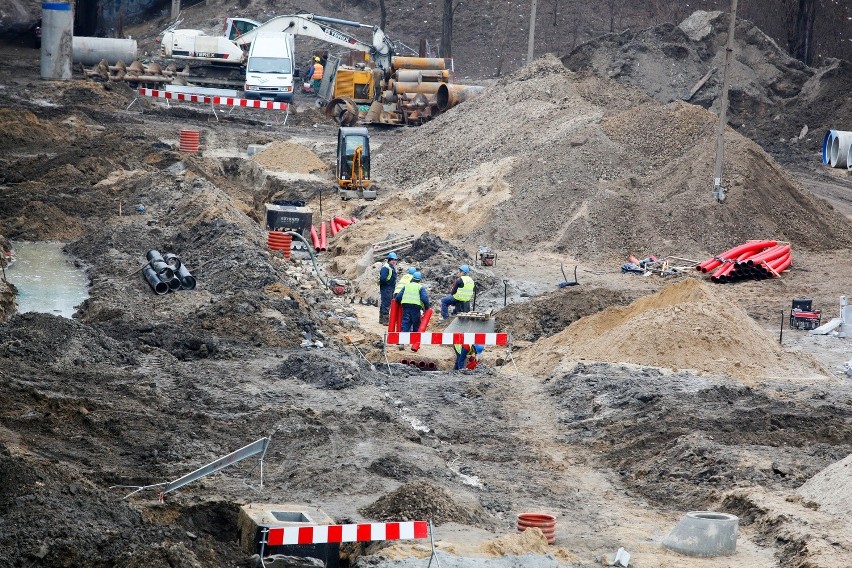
point(209, 99)
point(430, 338)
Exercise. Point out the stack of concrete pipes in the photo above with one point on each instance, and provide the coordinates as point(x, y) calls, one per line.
point(837, 149)
point(421, 89)
point(166, 273)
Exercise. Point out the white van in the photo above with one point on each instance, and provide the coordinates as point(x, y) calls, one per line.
point(269, 69)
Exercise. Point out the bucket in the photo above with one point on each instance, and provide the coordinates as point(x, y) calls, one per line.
point(189, 141)
point(546, 523)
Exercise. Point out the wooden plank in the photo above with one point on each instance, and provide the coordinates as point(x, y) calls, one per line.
point(699, 84)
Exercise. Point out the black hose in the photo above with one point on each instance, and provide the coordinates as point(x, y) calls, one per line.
point(310, 250)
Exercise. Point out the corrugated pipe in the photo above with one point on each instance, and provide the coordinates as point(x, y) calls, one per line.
point(315, 238)
point(333, 225)
point(712, 263)
point(542, 521)
point(323, 237)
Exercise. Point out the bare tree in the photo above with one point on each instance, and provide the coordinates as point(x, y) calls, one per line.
point(446, 49)
point(801, 15)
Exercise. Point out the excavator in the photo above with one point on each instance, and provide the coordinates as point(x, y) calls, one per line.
point(353, 163)
point(228, 51)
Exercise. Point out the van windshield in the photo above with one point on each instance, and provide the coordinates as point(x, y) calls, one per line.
point(270, 65)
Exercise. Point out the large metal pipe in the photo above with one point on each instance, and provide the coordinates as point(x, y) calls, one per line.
point(164, 270)
point(153, 279)
point(421, 76)
point(91, 50)
point(187, 280)
point(840, 145)
point(154, 255)
point(172, 260)
point(450, 94)
point(57, 31)
point(418, 63)
point(427, 88)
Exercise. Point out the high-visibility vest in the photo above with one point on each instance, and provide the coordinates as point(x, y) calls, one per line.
point(402, 281)
point(460, 347)
point(411, 294)
point(390, 272)
point(464, 294)
point(317, 71)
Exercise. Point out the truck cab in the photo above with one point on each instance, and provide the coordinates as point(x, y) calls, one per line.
point(269, 68)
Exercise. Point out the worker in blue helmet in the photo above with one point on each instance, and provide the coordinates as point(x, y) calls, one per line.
point(404, 279)
point(387, 284)
point(460, 295)
point(466, 356)
point(413, 298)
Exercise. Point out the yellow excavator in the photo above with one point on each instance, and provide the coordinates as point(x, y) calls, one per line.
point(353, 163)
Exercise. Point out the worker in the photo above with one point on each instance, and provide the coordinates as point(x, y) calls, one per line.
point(404, 279)
point(466, 357)
point(387, 284)
point(460, 295)
point(413, 298)
point(315, 74)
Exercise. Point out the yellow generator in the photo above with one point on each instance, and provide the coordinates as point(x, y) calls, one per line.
point(355, 84)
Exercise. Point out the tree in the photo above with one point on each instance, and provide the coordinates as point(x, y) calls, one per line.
point(801, 15)
point(446, 49)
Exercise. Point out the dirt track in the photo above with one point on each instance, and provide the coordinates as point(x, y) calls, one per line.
point(141, 389)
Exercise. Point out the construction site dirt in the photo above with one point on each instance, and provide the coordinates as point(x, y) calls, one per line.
point(625, 400)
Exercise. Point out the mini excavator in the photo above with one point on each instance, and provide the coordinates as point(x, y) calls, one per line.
point(353, 164)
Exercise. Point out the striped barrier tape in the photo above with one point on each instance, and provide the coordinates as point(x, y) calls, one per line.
point(429, 338)
point(207, 99)
point(365, 532)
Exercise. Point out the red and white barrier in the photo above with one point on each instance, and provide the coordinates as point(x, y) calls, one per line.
point(207, 99)
point(429, 338)
point(347, 533)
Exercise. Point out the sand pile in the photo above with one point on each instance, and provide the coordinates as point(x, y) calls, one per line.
point(684, 326)
point(831, 489)
point(593, 167)
point(289, 157)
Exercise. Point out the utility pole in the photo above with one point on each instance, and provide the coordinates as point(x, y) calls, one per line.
point(531, 45)
point(718, 190)
point(175, 9)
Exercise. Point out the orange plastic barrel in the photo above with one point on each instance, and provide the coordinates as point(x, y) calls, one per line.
point(189, 141)
point(546, 523)
point(277, 240)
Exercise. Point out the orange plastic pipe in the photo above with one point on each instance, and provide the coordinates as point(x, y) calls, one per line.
point(424, 323)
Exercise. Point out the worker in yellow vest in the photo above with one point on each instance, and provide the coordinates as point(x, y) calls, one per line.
point(413, 298)
point(404, 279)
point(460, 295)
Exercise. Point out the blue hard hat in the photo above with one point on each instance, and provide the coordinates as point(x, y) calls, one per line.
point(479, 349)
point(464, 268)
point(416, 276)
point(412, 270)
point(392, 256)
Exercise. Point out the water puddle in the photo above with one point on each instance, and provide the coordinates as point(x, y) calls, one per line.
point(46, 279)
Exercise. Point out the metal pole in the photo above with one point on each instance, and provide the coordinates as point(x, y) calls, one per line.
point(781, 334)
point(718, 190)
point(505, 291)
point(531, 44)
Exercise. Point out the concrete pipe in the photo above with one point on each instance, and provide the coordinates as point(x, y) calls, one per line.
point(449, 95)
point(91, 50)
point(57, 31)
point(425, 63)
point(840, 145)
point(704, 533)
point(187, 280)
point(421, 76)
point(827, 142)
point(427, 88)
point(154, 281)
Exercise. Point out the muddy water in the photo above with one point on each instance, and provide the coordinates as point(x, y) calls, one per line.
point(46, 279)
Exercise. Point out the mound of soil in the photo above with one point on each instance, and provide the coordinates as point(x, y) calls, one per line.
point(422, 500)
point(289, 157)
point(684, 326)
point(595, 168)
point(831, 488)
point(325, 369)
point(551, 313)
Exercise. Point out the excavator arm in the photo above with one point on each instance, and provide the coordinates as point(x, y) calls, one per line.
point(311, 25)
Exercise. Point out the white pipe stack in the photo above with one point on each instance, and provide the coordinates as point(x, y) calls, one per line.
point(836, 149)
